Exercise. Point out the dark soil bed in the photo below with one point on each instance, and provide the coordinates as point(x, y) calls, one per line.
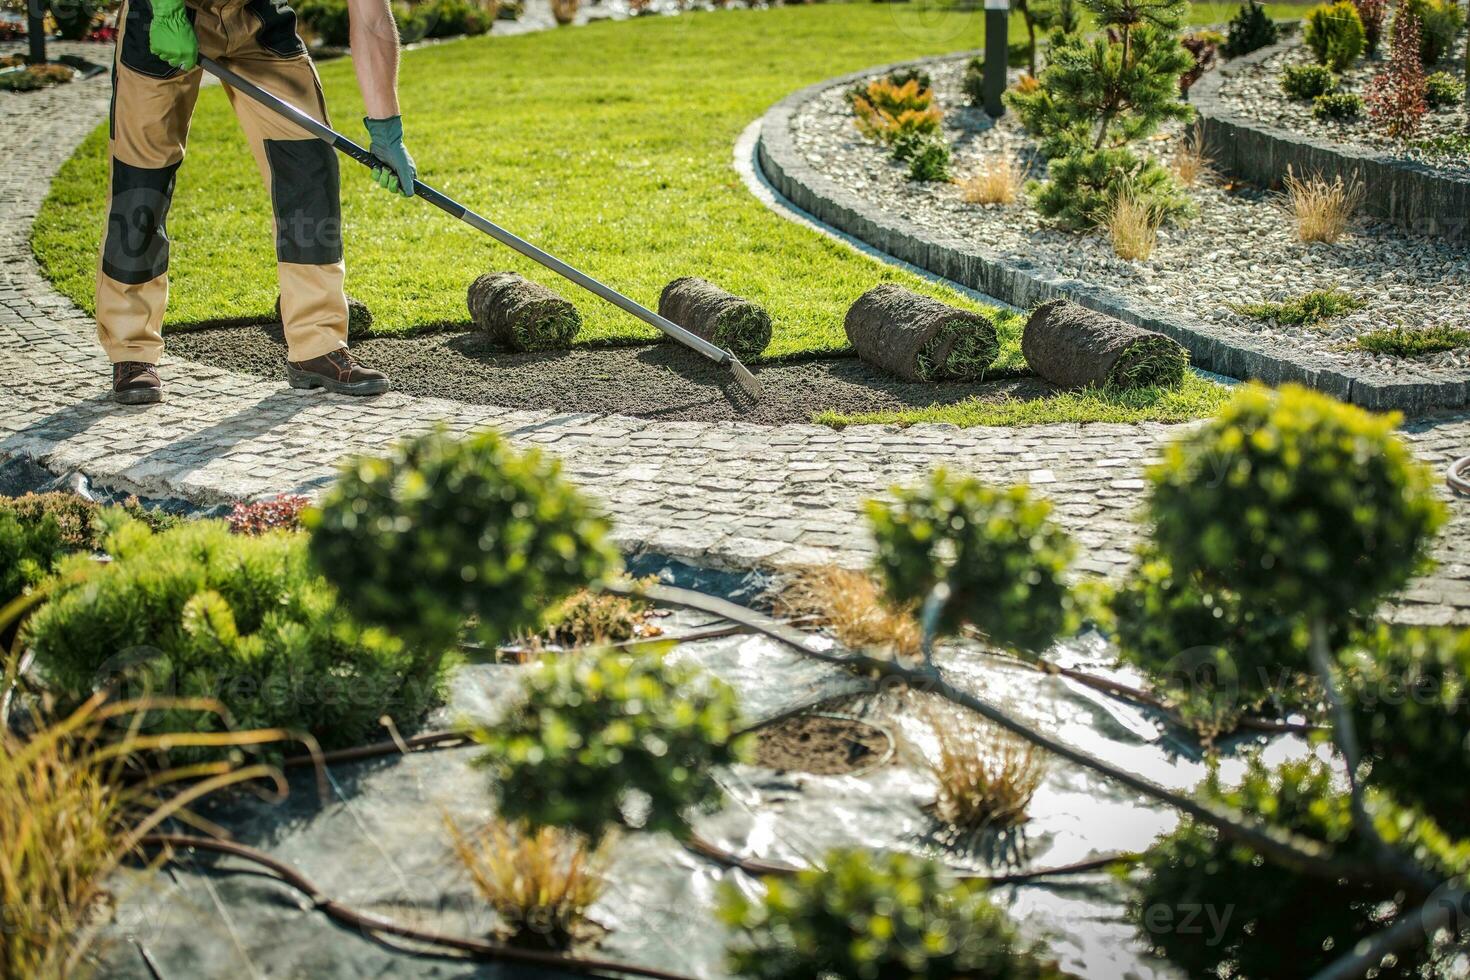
point(822, 744)
point(656, 381)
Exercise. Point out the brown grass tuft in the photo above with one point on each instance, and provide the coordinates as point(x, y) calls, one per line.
point(1189, 162)
point(1133, 225)
point(997, 182)
point(590, 618)
point(67, 820)
point(852, 604)
point(540, 883)
point(987, 776)
point(1322, 209)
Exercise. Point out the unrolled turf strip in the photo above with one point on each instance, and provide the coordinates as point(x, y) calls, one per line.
point(918, 338)
point(725, 320)
point(521, 315)
point(1073, 347)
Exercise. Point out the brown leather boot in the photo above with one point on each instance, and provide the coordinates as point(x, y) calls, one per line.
point(136, 383)
point(336, 371)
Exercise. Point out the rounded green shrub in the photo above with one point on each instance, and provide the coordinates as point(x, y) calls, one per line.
point(1213, 657)
point(1335, 34)
point(444, 530)
point(872, 916)
point(1409, 695)
point(328, 20)
point(1307, 81)
point(199, 612)
point(1296, 503)
point(600, 736)
point(1008, 558)
point(1217, 909)
point(1443, 90)
point(1250, 30)
point(1340, 106)
point(28, 552)
point(929, 158)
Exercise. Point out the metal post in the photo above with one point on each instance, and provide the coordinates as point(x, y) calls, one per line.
point(997, 38)
point(36, 30)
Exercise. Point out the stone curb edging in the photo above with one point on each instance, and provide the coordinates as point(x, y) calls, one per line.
point(1025, 285)
point(1407, 194)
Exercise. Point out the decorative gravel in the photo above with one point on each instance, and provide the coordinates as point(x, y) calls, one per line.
point(1241, 249)
point(1253, 91)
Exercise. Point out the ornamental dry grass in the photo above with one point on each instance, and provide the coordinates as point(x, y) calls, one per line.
point(1322, 209)
point(1190, 163)
point(1133, 225)
point(539, 882)
point(997, 182)
point(68, 819)
point(987, 777)
point(852, 605)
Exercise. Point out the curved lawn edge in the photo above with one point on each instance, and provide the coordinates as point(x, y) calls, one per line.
point(1410, 195)
point(1024, 284)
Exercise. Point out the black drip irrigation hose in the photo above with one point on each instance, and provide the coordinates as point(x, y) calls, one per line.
point(368, 922)
point(1458, 476)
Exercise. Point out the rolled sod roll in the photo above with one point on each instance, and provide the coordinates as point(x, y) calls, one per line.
point(359, 317)
point(522, 315)
point(918, 338)
point(1073, 347)
point(725, 320)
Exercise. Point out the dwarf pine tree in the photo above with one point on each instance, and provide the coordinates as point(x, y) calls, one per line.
point(1097, 96)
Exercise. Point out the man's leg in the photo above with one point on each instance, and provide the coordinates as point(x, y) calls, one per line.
point(148, 126)
point(301, 174)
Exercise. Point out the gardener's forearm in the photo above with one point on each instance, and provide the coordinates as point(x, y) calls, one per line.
point(374, 38)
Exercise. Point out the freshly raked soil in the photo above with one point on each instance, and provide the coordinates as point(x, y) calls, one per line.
point(655, 381)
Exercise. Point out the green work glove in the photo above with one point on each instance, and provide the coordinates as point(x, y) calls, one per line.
point(171, 36)
point(398, 171)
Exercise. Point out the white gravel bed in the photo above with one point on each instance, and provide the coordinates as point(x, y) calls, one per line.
point(1254, 92)
point(1241, 249)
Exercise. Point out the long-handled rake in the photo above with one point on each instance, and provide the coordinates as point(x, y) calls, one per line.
point(453, 208)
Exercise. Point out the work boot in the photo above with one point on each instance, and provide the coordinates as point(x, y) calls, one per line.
point(136, 383)
point(336, 371)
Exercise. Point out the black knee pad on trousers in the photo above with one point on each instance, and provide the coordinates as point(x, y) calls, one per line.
point(306, 196)
point(136, 247)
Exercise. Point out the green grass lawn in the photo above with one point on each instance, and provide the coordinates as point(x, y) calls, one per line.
point(610, 145)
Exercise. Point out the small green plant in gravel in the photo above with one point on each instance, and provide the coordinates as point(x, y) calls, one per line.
point(617, 737)
point(1409, 697)
point(1338, 106)
point(1264, 914)
point(997, 549)
point(929, 160)
point(1304, 310)
point(445, 531)
point(1413, 342)
point(1250, 30)
point(1307, 81)
point(1334, 33)
point(872, 915)
point(1443, 90)
point(200, 612)
point(1309, 507)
